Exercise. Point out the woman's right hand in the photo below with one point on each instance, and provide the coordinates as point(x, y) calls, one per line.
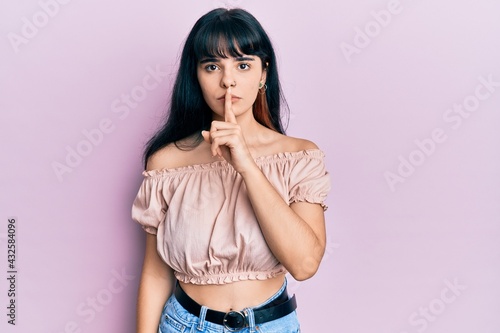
point(226, 139)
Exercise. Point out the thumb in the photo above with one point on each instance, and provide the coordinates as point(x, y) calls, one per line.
point(206, 136)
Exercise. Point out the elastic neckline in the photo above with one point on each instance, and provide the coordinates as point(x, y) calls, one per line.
point(260, 160)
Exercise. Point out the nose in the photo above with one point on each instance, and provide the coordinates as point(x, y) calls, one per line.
point(227, 79)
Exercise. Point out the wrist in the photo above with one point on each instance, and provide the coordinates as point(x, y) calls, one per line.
point(251, 172)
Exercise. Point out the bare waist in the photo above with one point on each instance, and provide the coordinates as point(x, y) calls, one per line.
point(234, 296)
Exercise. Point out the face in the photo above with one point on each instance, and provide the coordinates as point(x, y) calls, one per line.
point(243, 74)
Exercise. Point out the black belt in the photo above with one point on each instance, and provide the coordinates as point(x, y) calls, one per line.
point(236, 320)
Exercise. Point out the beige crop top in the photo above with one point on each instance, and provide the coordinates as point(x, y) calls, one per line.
point(205, 226)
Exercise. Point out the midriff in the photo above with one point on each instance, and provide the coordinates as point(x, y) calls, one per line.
point(234, 296)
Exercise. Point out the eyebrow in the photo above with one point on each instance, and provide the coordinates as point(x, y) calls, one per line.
point(205, 60)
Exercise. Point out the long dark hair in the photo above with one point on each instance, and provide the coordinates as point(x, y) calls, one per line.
point(219, 33)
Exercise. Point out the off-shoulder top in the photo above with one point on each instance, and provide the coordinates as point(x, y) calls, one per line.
point(206, 229)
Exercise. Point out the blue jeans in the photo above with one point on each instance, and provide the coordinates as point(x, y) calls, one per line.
point(175, 319)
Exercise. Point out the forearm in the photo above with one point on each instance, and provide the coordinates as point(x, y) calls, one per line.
point(153, 293)
point(157, 284)
point(292, 240)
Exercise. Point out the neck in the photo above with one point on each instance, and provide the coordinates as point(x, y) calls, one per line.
point(252, 130)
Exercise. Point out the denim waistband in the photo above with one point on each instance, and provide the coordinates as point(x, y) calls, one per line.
point(273, 297)
point(203, 324)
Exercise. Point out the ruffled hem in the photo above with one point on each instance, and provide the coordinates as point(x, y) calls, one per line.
point(314, 200)
point(286, 156)
point(149, 229)
point(228, 277)
point(261, 160)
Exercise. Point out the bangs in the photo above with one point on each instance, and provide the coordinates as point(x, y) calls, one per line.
point(224, 39)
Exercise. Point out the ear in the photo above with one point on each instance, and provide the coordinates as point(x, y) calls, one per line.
point(264, 74)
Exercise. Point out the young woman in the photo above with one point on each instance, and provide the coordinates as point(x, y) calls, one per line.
point(230, 204)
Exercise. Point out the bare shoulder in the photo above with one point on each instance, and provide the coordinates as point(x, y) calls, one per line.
point(292, 144)
point(163, 158)
point(299, 144)
point(173, 156)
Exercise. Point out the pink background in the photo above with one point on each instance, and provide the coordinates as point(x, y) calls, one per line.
point(365, 98)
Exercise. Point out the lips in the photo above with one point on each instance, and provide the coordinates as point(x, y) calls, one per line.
point(223, 97)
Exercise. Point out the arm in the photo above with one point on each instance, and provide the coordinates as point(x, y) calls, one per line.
point(157, 283)
point(295, 234)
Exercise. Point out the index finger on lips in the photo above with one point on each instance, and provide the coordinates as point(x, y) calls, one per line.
point(228, 108)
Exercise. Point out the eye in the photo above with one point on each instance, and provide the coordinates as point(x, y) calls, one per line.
point(210, 68)
point(244, 66)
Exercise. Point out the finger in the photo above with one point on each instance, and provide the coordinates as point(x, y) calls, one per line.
point(217, 146)
point(228, 108)
point(230, 132)
point(216, 149)
point(221, 125)
point(210, 139)
point(206, 136)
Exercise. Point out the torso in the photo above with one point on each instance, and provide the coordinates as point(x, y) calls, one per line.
point(240, 294)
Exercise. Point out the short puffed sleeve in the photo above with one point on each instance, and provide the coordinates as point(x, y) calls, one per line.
point(309, 180)
point(149, 206)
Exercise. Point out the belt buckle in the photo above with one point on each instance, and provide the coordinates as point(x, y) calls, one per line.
point(234, 320)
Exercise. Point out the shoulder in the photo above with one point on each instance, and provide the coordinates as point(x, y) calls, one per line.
point(185, 152)
point(161, 158)
point(298, 144)
point(292, 144)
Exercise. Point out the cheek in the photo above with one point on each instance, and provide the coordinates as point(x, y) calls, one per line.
point(206, 82)
point(252, 89)
point(202, 83)
point(253, 85)
point(206, 89)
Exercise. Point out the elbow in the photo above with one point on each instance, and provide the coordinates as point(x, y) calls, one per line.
point(302, 276)
point(307, 266)
point(305, 270)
